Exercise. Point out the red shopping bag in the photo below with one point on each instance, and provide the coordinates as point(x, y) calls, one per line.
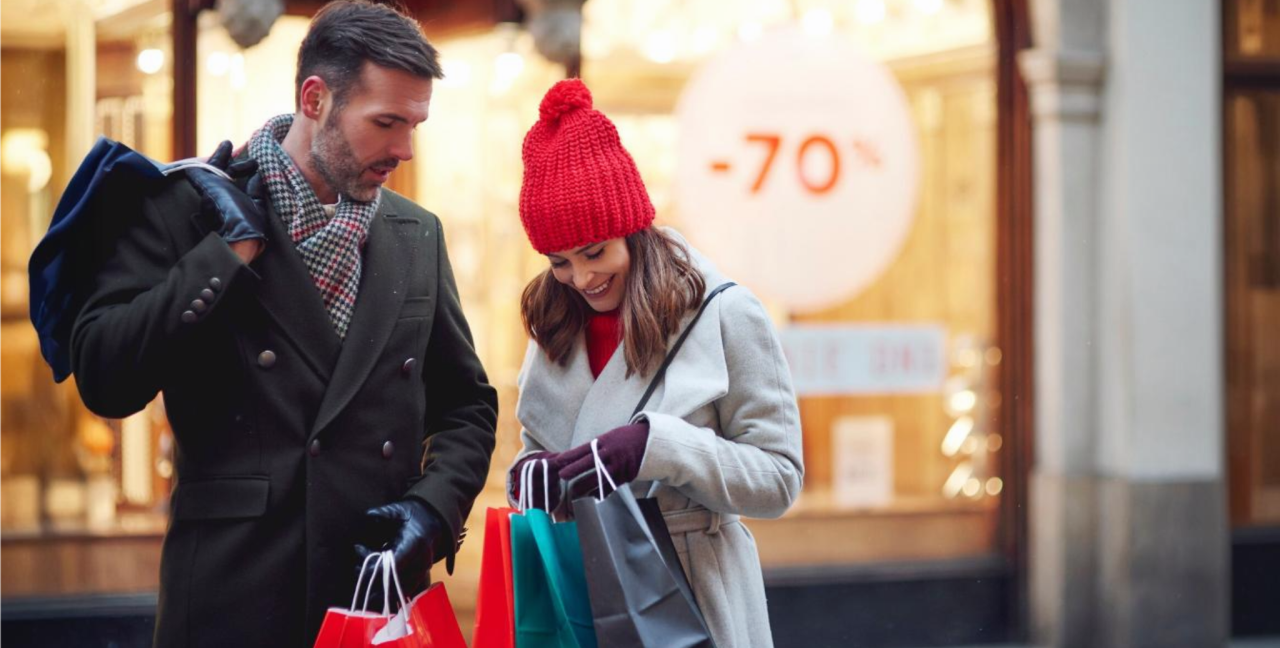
point(428, 621)
point(495, 603)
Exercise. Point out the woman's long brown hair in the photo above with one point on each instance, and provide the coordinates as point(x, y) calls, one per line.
point(662, 286)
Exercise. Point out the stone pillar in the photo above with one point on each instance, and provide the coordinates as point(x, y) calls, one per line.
point(1064, 73)
point(1163, 536)
point(1128, 534)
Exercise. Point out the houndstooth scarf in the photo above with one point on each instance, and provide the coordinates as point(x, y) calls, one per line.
point(330, 247)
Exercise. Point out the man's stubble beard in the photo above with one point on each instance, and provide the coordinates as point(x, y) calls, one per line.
point(335, 161)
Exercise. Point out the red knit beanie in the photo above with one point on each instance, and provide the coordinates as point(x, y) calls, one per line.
point(580, 186)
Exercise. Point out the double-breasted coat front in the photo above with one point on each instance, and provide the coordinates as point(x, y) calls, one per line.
point(285, 434)
point(724, 441)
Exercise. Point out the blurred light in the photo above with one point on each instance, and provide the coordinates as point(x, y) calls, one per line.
point(972, 487)
point(964, 400)
point(994, 486)
point(660, 47)
point(218, 63)
point(994, 356)
point(969, 446)
point(870, 12)
point(509, 64)
point(956, 435)
point(967, 357)
point(150, 60)
point(994, 442)
point(957, 480)
point(750, 31)
point(928, 7)
point(818, 22)
point(704, 39)
point(456, 74)
point(506, 68)
point(237, 71)
point(24, 150)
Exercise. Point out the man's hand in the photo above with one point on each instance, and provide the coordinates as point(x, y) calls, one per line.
point(248, 250)
point(242, 212)
point(410, 529)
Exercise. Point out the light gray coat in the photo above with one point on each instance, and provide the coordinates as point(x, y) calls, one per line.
point(724, 441)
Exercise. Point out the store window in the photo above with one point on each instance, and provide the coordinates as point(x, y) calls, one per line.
point(902, 445)
point(1251, 110)
point(84, 498)
point(897, 372)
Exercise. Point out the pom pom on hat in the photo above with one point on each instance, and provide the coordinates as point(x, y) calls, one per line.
point(563, 97)
point(580, 185)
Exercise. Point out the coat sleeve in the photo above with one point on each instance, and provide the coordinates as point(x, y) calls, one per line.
point(754, 464)
point(145, 283)
point(461, 416)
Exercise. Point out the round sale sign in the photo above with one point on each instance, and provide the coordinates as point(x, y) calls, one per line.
point(798, 166)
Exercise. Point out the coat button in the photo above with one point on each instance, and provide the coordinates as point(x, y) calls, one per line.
point(215, 283)
point(314, 448)
point(189, 317)
point(407, 367)
point(267, 359)
point(207, 295)
point(199, 306)
point(387, 450)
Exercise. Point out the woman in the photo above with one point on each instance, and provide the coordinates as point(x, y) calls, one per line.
point(720, 435)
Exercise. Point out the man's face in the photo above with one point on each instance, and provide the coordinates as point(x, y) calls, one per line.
point(359, 143)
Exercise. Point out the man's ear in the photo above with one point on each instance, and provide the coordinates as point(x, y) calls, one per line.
point(313, 97)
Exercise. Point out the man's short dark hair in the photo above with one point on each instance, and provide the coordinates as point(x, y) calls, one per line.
point(346, 33)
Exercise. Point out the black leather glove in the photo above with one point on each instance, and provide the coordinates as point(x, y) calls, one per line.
point(409, 528)
point(242, 212)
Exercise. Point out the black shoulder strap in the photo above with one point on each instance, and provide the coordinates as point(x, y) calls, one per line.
point(662, 370)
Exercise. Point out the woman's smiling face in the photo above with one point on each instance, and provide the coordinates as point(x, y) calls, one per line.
point(597, 271)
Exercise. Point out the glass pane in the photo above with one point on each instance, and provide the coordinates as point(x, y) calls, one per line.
point(1253, 28)
point(909, 467)
point(1253, 304)
point(81, 494)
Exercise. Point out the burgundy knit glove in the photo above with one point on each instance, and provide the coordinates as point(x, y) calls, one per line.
point(621, 451)
point(555, 461)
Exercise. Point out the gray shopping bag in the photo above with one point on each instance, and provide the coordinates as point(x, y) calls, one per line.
point(639, 593)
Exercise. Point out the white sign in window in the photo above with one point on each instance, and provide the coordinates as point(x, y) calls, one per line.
point(866, 360)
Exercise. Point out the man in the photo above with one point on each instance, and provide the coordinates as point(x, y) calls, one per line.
point(319, 375)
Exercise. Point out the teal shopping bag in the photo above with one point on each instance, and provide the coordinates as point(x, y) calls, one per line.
point(538, 622)
point(561, 555)
point(553, 609)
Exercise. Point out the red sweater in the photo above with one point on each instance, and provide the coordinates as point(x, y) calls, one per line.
point(604, 333)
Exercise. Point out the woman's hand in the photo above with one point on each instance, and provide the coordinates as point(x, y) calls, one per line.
point(549, 499)
point(621, 450)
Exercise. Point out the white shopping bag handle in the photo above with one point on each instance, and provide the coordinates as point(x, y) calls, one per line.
point(355, 596)
point(601, 472)
point(525, 469)
point(526, 486)
point(391, 575)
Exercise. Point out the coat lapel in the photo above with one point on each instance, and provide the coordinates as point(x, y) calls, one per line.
point(551, 395)
point(288, 294)
point(609, 401)
point(388, 259)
